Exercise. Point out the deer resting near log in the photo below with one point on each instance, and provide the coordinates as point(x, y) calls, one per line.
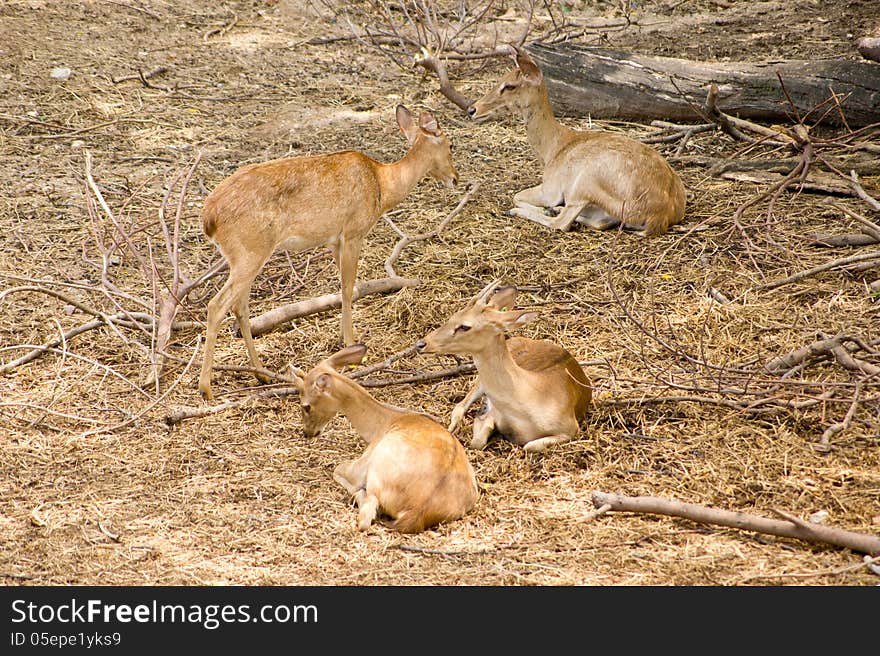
point(597, 178)
point(536, 391)
point(413, 470)
point(299, 203)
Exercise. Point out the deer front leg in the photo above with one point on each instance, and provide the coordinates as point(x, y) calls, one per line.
point(231, 295)
point(531, 204)
point(352, 475)
point(483, 428)
point(464, 405)
point(346, 254)
point(533, 213)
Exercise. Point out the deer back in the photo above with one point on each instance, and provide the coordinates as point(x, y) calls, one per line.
point(301, 202)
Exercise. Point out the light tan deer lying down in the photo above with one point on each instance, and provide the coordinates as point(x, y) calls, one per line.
point(300, 203)
point(536, 392)
point(413, 470)
point(594, 177)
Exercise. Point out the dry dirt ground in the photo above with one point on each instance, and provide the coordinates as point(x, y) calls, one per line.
point(96, 487)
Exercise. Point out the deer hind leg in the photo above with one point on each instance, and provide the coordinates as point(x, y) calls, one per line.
point(533, 197)
point(346, 254)
point(596, 218)
point(242, 314)
point(541, 443)
point(218, 307)
point(368, 508)
point(567, 217)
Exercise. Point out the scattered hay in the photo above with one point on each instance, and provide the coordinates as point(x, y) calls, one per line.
point(240, 496)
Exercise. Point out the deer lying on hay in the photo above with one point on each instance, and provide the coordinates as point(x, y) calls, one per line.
point(598, 178)
point(413, 470)
point(536, 391)
point(299, 203)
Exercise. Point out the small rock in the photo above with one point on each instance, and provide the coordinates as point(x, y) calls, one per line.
point(819, 517)
point(78, 143)
point(60, 73)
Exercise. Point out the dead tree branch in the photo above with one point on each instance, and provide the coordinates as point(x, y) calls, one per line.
point(270, 320)
point(792, 527)
point(861, 193)
point(406, 240)
point(166, 307)
point(824, 347)
point(191, 412)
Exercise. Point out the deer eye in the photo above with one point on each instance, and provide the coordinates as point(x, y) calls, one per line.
point(507, 87)
point(463, 328)
point(306, 408)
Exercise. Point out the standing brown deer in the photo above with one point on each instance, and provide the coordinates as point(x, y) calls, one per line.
point(536, 391)
point(299, 203)
point(413, 470)
point(598, 178)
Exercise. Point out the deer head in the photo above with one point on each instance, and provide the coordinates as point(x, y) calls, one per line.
point(485, 317)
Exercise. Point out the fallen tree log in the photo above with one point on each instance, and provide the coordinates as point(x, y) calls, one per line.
point(605, 83)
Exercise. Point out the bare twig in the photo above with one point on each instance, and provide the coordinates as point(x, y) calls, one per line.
point(861, 193)
point(140, 75)
point(841, 426)
point(852, 259)
point(406, 240)
point(436, 66)
point(167, 306)
point(869, 227)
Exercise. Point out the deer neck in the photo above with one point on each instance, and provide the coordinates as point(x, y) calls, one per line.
point(398, 178)
point(545, 133)
point(365, 414)
point(496, 367)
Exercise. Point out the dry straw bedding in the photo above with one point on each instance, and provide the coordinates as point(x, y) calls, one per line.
point(239, 496)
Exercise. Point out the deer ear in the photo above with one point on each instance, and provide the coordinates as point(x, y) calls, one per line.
point(406, 123)
point(514, 318)
point(353, 354)
point(429, 124)
point(503, 297)
point(526, 317)
point(323, 382)
point(528, 68)
point(298, 376)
